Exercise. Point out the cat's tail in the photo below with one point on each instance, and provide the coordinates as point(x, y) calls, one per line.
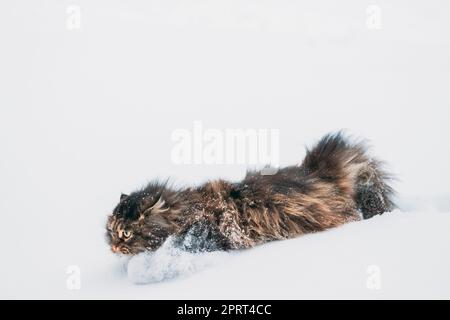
point(334, 159)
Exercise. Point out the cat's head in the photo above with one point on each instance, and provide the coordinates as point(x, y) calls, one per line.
point(143, 220)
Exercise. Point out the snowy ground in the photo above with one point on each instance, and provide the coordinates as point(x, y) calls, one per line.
point(86, 114)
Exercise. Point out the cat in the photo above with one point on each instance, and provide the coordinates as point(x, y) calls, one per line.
point(336, 183)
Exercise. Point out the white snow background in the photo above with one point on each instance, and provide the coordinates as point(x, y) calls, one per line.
point(87, 114)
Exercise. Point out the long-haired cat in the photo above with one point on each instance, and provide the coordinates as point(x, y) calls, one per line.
point(337, 182)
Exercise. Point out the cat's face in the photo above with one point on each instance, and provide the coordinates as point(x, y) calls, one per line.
point(140, 222)
point(131, 237)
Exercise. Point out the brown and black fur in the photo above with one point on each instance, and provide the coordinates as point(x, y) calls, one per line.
point(337, 182)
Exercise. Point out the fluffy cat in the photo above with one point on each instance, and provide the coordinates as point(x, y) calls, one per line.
point(337, 182)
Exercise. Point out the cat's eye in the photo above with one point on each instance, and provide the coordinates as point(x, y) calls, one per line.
point(126, 233)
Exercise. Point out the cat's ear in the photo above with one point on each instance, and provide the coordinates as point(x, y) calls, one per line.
point(158, 207)
point(123, 196)
point(159, 215)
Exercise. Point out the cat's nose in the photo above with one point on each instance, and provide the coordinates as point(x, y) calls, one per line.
point(115, 248)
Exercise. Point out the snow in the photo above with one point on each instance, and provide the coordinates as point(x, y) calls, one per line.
point(169, 262)
point(87, 114)
point(335, 264)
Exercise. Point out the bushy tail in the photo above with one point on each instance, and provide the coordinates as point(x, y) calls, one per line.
point(348, 165)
